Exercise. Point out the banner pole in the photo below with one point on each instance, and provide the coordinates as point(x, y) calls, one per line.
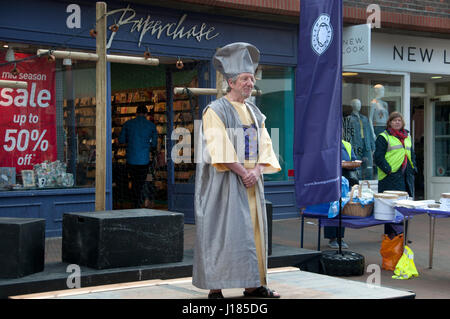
point(340, 226)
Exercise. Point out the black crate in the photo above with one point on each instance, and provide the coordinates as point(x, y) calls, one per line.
point(122, 238)
point(22, 246)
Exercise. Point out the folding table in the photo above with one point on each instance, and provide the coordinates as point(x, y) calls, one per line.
point(321, 213)
point(433, 214)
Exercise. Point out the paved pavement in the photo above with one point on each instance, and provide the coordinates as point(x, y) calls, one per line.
point(431, 284)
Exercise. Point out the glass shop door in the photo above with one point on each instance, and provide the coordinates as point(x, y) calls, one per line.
point(438, 177)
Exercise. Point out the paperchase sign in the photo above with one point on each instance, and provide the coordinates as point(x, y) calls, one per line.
point(146, 26)
point(154, 27)
point(356, 41)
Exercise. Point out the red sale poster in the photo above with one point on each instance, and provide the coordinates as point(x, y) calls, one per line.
point(28, 116)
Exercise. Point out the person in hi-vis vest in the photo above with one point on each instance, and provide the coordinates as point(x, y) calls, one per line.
point(396, 162)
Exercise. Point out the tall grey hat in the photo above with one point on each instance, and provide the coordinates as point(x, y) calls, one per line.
point(236, 58)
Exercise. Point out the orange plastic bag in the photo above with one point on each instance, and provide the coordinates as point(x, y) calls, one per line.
point(391, 251)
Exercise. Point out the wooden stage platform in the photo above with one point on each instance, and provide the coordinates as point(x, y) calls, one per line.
point(55, 275)
point(290, 282)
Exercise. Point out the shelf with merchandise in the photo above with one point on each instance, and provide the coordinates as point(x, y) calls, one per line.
point(124, 108)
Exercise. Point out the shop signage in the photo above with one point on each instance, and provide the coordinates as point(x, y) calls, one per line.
point(157, 28)
point(28, 116)
point(409, 54)
point(356, 45)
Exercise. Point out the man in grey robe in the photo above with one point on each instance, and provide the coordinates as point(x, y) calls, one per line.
point(231, 223)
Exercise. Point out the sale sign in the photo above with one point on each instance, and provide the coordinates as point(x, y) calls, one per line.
point(28, 116)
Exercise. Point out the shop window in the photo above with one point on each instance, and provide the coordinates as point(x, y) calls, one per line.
point(277, 104)
point(368, 99)
point(47, 129)
point(418, 88)
point(442, 139)
point(76, 101)
point(443, 88)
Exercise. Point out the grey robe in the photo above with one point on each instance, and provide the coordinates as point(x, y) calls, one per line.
point(225, 251)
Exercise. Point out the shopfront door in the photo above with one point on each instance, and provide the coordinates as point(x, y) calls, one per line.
point(438, 144)
point(134, 86)
point(418, 135)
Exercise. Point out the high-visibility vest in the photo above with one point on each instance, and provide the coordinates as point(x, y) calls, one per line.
point(405, 267)
point(348, 148)
point(395, 154)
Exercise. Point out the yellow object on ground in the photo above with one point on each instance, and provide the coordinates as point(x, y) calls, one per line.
point(406, 268)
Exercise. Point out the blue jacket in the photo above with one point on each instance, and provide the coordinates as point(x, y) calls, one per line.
point(344, 154)
point(351, 175)
point(139, 134)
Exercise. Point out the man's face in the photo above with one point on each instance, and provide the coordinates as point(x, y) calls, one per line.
point(244, 84)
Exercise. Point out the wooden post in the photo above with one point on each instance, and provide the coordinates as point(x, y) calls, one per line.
point(13, 84)
point(219, 83)
point(205, 91)
point(100, 115)
point(84, 56)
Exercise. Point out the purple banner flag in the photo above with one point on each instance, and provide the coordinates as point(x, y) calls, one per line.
point(318, 103)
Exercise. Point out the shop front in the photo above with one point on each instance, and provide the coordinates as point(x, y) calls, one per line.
point(48, 130)
point(411, 75)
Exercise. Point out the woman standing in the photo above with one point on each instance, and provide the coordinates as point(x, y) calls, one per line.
point(396, 162)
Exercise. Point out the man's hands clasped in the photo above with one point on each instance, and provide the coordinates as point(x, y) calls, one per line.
point(252, 176)
point(249, 176)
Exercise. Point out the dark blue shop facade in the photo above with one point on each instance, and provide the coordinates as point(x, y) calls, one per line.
point(170, 35)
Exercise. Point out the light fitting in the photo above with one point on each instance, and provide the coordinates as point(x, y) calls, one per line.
point(10, 55)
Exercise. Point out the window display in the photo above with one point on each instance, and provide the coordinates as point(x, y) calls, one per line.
point(77, 148)
point(27, 116)
point(7, 177)
point(47, 129)
point(378, 110)
point(361, 137)
point(368, 99)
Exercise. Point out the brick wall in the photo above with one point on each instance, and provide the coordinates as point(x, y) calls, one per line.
point(424, 15)
point(282, 7)
point(419, 15)
point(431, 8)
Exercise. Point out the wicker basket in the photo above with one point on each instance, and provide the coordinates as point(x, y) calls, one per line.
point(356, 209)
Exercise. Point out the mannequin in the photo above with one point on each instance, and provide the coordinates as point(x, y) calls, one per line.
point(360, 134)
point(379, 113)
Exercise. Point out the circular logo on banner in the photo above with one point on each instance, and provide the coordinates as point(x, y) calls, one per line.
point(322, 34)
